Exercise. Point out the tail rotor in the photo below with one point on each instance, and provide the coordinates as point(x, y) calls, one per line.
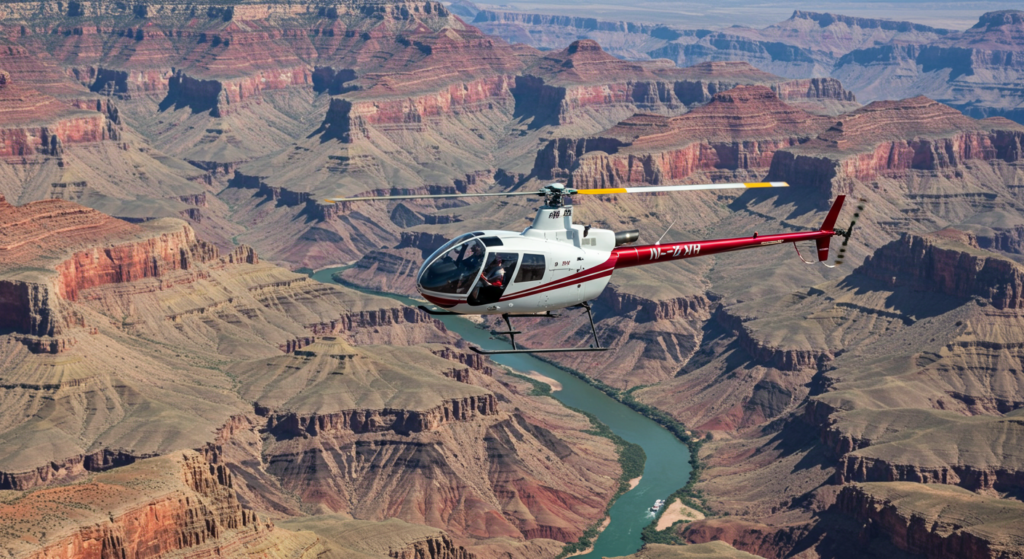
point(847, 232)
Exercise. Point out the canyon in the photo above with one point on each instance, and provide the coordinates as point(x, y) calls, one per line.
point(171, 384)
point(975, 71)
point(91, 400)
point(793, 381)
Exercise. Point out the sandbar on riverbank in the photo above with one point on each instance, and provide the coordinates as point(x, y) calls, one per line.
point(675, 512)
point(554, 384)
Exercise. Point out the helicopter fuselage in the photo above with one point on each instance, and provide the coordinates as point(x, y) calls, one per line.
point(551, 265)
point(555, 264)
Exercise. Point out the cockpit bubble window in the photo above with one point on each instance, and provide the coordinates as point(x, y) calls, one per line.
point(455, 269)
point(444, 248)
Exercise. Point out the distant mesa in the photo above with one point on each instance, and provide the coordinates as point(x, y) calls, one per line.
point(1000, 18)
point(827, 19)
point(584, 45)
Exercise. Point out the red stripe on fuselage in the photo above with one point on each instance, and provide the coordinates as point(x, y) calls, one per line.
point(601, 270)
point(440, 301)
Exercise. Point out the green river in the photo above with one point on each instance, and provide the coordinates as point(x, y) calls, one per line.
point(667, 468)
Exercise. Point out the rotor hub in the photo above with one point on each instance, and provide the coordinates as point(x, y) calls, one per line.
point(555, 193)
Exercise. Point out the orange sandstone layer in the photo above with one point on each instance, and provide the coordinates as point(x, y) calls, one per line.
point(888, 139)
point(740, 129)
point(153, 508)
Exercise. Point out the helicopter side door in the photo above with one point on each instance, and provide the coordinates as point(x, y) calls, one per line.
point(495, 278)
point(529, 275)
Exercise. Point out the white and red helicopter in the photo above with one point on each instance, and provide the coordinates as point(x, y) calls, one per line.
point(555, 264)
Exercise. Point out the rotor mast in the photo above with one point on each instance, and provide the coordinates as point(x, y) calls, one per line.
point(553, 221)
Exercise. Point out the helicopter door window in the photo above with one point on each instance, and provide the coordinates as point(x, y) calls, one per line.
point(532, 268)
point(494, 278)
point(454, 270)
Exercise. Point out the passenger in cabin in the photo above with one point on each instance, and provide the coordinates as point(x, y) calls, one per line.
point(494, 274)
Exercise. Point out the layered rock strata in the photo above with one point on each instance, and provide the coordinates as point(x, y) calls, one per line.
point(426, 412)
point(935, 522)
point(968, 70)
point(739, 130)
point(157, 507)
point(576, 80)
point(38, 124)
point(972, 70)
point(890, 139)
point(949, 268)
point(914, 394)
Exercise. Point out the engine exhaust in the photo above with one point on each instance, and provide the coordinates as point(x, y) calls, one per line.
point(626, 237)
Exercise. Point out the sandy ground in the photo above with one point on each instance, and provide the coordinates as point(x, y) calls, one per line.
point(675, 512)
point(607, 521)
point(634, 482)
point(554, 384)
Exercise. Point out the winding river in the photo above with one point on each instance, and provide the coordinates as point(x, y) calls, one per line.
point(667, 468)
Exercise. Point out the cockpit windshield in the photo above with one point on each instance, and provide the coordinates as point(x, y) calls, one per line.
point(454, 270)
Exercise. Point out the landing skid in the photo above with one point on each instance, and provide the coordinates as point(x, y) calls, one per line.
point(515, 348)
point(554, 350)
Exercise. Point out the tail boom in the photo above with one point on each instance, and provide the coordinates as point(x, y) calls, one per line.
point(626, 257)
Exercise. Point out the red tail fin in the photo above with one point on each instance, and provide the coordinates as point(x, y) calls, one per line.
point(833, 214)
point(828, 225)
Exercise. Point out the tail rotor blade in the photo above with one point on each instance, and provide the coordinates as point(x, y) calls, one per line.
point(846, 236)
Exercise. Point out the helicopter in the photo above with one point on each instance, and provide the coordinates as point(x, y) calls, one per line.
point(555, 264)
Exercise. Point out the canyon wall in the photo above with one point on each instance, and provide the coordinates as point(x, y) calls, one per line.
point(349, 119)
point(931, 521)
point(741, 129)
point(950, 270)
point(32, 123)
point(862, 145)
point(403, 422)
point(176, 249)
point(190, 505)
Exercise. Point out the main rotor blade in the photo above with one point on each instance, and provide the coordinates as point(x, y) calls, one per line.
point(644, 189)
point(428, 196)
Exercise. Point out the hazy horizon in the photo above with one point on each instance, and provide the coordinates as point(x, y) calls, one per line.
point(726, 13)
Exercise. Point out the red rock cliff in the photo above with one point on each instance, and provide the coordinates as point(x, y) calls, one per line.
point(177, 249)
point(34, 123)
point(935, 264)
point(891, 138)
point(740, 129)
point(403, 422)
point(53, 235)
point(933, 521)
point(155, 507)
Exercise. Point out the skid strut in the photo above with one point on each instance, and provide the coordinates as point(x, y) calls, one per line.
point(511, 333)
